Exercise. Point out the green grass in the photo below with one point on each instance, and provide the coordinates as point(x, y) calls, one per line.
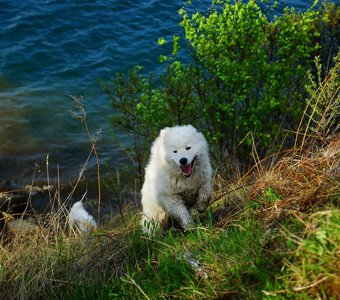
point(245, 258)
point(232, 261)
point(312, 270)
point(241, 261)
point(296, 258)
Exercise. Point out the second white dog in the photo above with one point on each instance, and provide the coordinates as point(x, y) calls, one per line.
point(177, 178)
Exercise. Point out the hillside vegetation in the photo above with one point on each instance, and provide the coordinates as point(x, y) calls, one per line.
point(273, 233)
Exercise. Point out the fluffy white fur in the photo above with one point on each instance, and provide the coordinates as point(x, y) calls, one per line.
point(81, 218)
point(177, 178)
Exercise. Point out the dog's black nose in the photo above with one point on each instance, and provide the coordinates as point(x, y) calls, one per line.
point(183, 161)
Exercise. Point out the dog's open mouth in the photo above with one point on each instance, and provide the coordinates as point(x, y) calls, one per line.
point(187, 169)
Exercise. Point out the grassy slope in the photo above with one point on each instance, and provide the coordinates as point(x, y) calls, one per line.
point(278, 239)
point(267, 248)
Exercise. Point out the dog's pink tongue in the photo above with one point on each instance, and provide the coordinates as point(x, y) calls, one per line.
point(187, 170)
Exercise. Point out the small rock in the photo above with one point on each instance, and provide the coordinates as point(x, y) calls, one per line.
point(19, 227)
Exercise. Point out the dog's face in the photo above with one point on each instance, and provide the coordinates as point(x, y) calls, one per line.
point(184, 157)
point(183, 148)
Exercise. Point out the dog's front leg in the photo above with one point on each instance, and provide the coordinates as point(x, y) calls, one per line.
point(203, 199)
point(176, 209)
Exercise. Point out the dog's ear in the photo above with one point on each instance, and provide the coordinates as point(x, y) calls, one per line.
point(163, 131)
point(191, 127)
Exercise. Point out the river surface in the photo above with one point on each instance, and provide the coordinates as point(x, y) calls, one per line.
point(50, 50)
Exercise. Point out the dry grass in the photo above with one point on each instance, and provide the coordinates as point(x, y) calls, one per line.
point(48, 258)
point(300, 182)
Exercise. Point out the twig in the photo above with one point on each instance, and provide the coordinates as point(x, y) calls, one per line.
point(301, 288)
point(29, 200)
point(228, 192)
point(301, 221)
point(131, 280)
point(48, 182)
point(82, 116)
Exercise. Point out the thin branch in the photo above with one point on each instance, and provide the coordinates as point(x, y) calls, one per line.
point(82, 116)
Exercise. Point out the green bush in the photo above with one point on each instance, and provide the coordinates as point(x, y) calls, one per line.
point(245, 85)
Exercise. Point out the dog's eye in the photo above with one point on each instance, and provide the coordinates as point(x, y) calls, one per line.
point(175, 151)
point(187, 148)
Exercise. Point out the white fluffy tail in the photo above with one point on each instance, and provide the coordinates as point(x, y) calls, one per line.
point(79, 217)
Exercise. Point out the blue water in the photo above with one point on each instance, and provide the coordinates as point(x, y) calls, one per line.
point(50, 50)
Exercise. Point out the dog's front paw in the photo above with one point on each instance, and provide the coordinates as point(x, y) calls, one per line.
point(203, 202)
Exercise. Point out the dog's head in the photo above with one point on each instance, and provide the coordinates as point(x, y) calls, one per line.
point(182, 148)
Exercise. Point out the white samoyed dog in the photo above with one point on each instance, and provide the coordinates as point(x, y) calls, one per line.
point(177, 178)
